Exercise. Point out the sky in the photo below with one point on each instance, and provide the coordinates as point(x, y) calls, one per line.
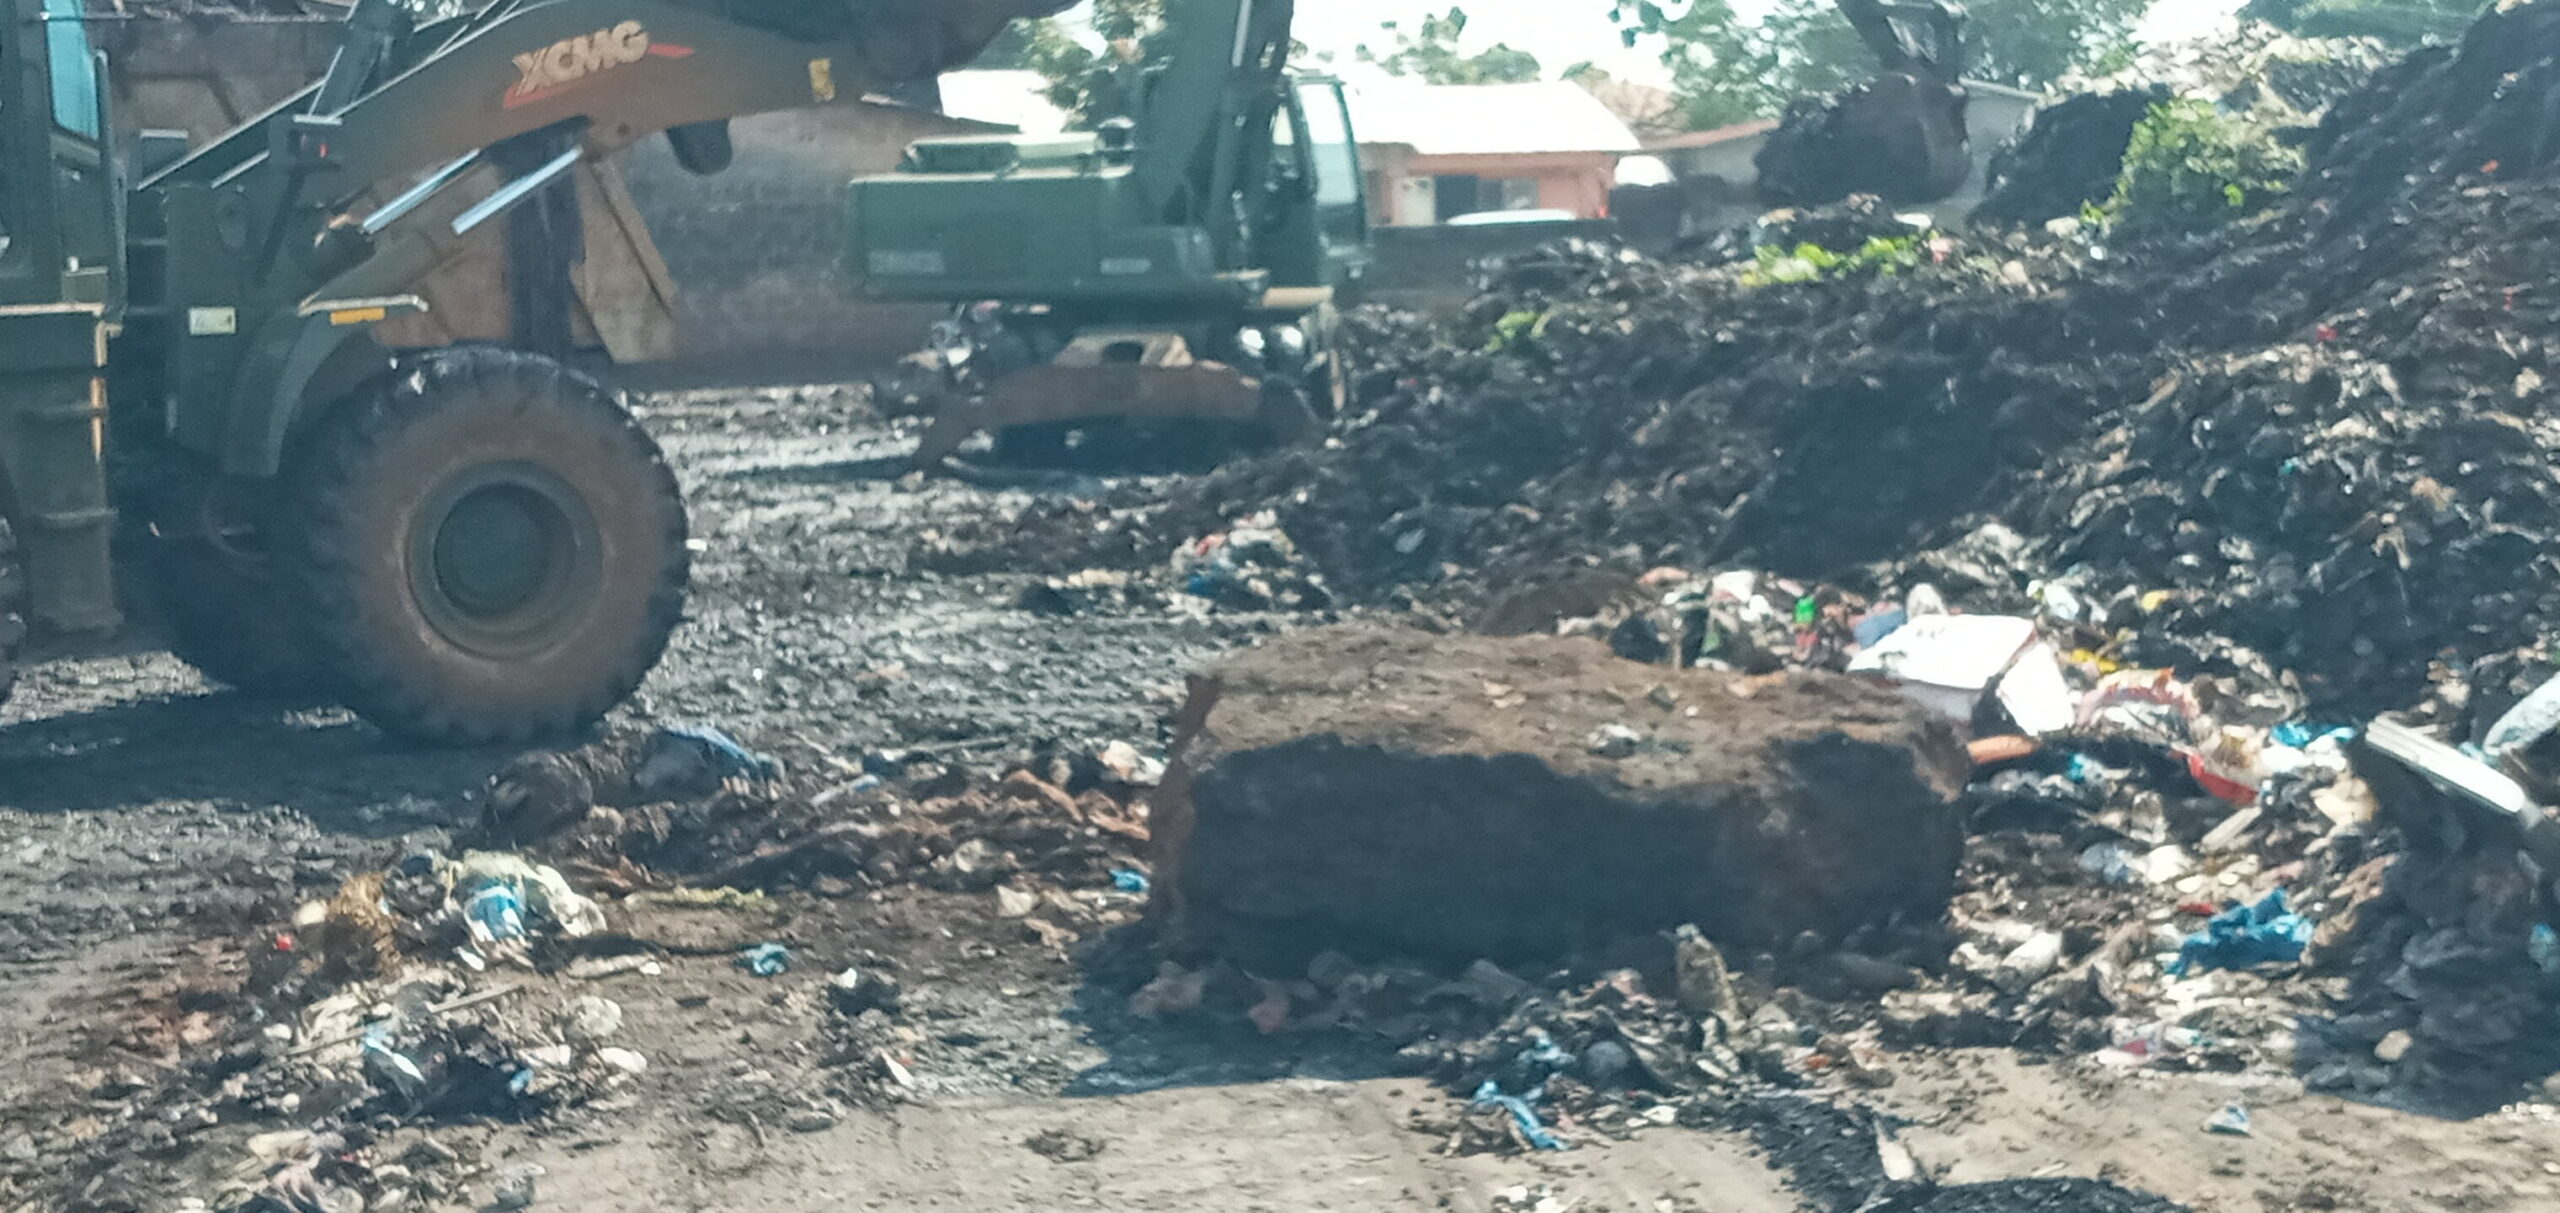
point(1562, 33)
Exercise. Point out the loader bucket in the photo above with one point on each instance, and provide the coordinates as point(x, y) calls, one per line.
point(1901, 137)
point(1136, 376)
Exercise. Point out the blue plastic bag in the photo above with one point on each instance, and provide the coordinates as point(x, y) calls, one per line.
point(729, 759)
point(2300, 734)
point(1531, 1128)
point(498, 910)
point(2245, 935)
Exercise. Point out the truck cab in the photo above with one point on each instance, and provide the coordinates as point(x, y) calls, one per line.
point(61, 274)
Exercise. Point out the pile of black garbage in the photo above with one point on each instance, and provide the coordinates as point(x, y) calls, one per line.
point(2321, 431)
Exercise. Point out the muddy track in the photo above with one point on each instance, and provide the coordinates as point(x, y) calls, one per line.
point(133, 796)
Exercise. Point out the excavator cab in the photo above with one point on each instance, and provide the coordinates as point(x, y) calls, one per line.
point(1319, 212)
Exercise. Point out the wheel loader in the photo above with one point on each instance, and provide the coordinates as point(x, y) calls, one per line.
point(469, 544)
point(1181, 262)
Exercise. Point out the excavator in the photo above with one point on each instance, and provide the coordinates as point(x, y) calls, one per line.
point(467, 545)
point(1180, 262)
point(1900, 136)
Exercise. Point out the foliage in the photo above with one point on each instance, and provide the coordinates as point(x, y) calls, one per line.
point(1430, 51)
point(2189, 166)
point(2399, 23)
point(1090, 84)
point(1516, 329)
point(1727, 68)
point(1880, 256)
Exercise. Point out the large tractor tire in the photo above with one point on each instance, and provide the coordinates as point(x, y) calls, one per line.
point(491, 550)
point(13, 609)
point(216, 565)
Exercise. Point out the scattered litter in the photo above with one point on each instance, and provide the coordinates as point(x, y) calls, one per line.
point(496, 914)
point(1949, 662)
point(1615, 741)
point(2029, 962)
point(861, 989)
point(1064, 1145)
point(691, 756)
point(1523, 1115)
point(590, 1021)
point(1129, 767)
point(2231, 1121)
point(515, 1186)
point(766, 960)
point(2266, 931)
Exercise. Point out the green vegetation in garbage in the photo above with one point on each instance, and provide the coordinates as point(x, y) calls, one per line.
point(2190, 166)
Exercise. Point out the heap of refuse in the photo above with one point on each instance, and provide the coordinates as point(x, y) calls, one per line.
point(2311, 439)
point(2072, 148)
point(2157, 871)
point(398, 1003)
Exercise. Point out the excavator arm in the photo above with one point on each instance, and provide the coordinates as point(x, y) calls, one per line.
point(1920, 37)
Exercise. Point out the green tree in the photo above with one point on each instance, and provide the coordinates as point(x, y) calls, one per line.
point(1430, 51)
point(1727, 68)
point(2396, 22)
point(1093, 83)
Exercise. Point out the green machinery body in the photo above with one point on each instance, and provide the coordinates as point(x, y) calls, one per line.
point(227, 292)
point(1230, 199)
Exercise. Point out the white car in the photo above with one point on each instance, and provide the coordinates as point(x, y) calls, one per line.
point(1506, 218)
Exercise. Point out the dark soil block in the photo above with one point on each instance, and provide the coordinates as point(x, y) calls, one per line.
point(1380, 791)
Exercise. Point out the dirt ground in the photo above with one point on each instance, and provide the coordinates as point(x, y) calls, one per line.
point(147, 822)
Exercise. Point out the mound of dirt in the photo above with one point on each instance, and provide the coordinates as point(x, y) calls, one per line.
point(1384, 791)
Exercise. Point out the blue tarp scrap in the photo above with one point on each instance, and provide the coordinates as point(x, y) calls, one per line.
point(2301, 735)
point(1129, 880)
point(730, 759)
point(1532, 1129)
point(766, 960)
point(2244, 935)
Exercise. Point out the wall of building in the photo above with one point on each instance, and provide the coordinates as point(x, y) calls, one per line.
point(757, 251)
point(1401, 194)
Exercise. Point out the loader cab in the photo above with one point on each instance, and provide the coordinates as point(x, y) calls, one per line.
point(59, 204)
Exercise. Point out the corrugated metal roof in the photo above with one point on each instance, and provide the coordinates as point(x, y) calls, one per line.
point(1488, 119)
point(1709, 138)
